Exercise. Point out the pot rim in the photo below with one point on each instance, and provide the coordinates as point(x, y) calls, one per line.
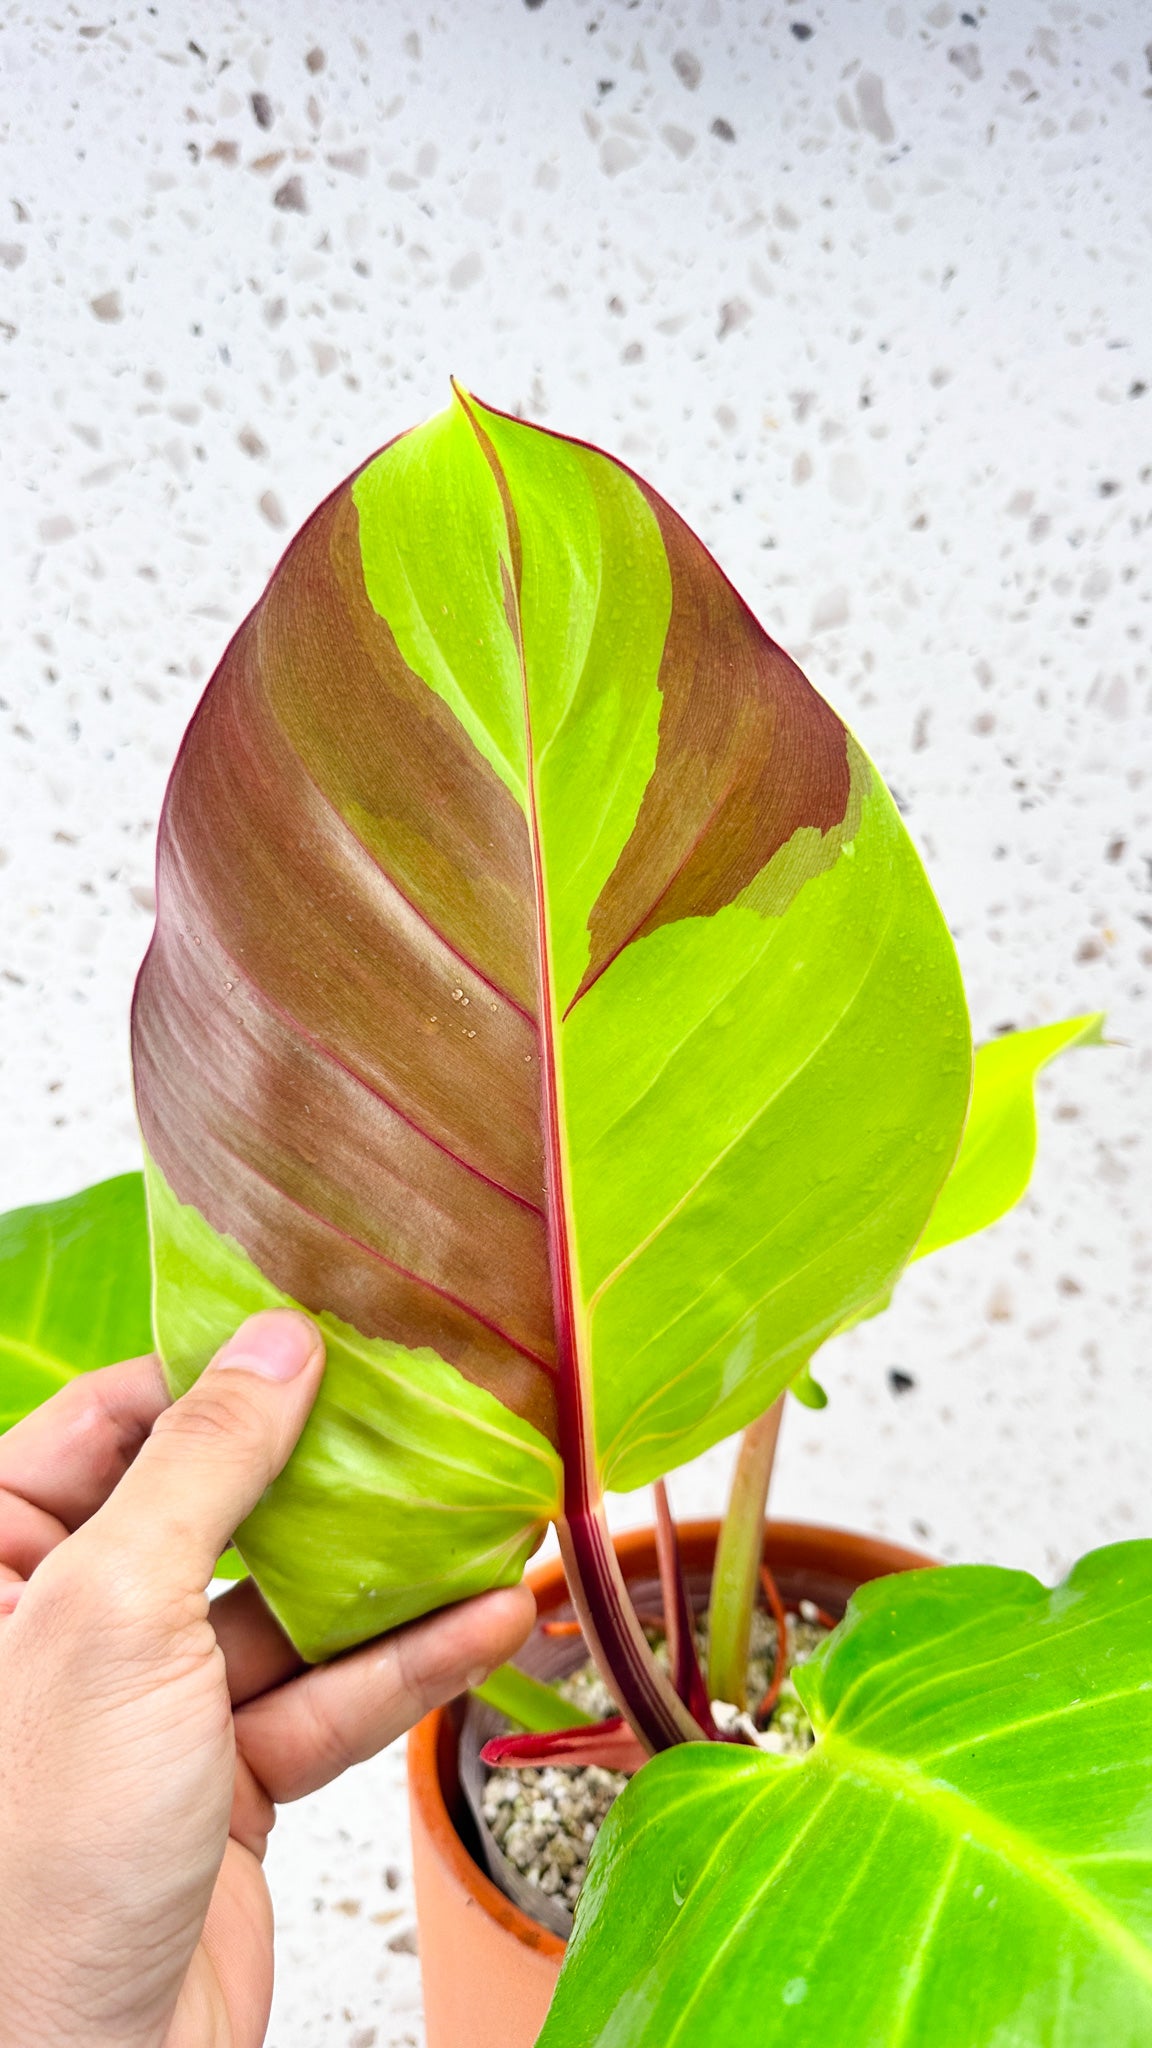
point(785, 1543)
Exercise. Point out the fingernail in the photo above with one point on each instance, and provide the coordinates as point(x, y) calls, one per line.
point(10, 1592)
point(276, 1345)
point(477, 1677)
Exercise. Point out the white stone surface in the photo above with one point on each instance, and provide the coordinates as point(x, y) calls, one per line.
point(871, 306)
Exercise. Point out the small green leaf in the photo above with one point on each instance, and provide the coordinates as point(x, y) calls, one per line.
point(75, 1290)
point(994, 1163)
point(536, 1706)
point(964, 1858)
point(808, 1390)
point(999, 1144)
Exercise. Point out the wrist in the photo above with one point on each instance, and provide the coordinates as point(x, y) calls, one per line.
point(58, 2018)
point(61, 1982)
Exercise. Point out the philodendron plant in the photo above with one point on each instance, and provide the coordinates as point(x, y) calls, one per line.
point(546, 995)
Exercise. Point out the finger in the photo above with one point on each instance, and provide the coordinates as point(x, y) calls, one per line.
point(61, 1463)
point(27, 1534)
point(211, 1455)
point(302, 1736)
point(227, 1994)
point(257, 1653)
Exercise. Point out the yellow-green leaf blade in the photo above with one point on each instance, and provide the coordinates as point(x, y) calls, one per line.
point(754, 1159)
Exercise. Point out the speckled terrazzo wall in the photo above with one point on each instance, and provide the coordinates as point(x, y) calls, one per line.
point(864, 290)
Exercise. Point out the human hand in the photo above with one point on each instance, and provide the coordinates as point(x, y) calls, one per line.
point(146, 1734)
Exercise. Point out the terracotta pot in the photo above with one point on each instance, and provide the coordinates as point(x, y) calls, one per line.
point(488, 1970)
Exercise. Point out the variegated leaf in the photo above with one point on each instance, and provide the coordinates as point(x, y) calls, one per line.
point(545, 991)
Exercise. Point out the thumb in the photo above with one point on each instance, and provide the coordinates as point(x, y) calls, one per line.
point(211, 1455)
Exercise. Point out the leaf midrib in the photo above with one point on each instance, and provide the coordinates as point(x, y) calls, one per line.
point(965, 1821)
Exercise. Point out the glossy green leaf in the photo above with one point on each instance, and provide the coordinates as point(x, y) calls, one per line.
point(544, 989)
point(963, 1860)
point(75, 1290)
point(998, 1148)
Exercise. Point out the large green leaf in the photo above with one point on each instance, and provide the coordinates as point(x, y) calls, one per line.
point(963, 1860)
point(544, 989)
point(75, 1290)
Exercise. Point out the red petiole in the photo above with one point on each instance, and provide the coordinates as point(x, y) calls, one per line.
point(679, 1622)
point(610, 1744)
point(776, 1609)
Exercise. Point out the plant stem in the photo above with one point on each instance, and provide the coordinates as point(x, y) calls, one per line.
point(644, 1693)
point(780, 1662)
point(679, 1621)
point(610, 1744)
point(736, 1573)
point(671, 1589)
point(615, 1638)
